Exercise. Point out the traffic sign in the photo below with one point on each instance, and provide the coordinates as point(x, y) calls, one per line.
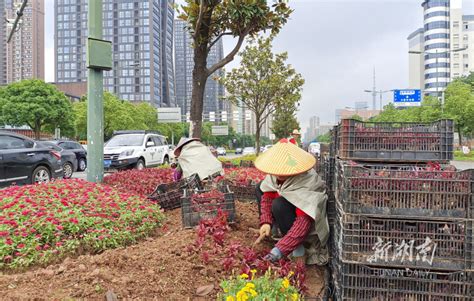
point(407, 98)
point(169, 115)
point(220, 130)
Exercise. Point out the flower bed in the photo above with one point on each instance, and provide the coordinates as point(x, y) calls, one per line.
point(141, 182)
point(44, 222)
point(242, 182)
point(244, 176)
point(245, 287)
point(213, 247)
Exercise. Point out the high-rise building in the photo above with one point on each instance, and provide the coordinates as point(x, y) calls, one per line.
point(361, 105)
point(3, 44)
point(25, 52)
point(142, 36)
point(314, 122)
point(444, 49)
point(416, 61)
point(184, 54)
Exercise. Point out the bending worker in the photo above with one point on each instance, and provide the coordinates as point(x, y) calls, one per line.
point(292, 200)
point(195, 158)
point(295, 135)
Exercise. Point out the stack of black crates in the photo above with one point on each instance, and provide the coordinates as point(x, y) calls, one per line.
point(401, 218)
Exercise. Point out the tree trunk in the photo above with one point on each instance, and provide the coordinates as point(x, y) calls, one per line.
point(197, 97)
point(257, 134)
point(460, 135)
point(37, 130)
point(200, 72)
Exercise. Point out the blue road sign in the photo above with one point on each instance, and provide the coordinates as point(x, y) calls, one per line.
point(407, 98)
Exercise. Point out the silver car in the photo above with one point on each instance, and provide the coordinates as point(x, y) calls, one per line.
point(249, 151)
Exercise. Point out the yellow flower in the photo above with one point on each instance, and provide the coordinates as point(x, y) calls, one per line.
point(291, 273)
point(286, 283)
point(254, 271)
point(253, 293)
point(250, 285)
point(244, 276)
point(230, 298)
point(226, 290)
point(242, 296)
point(294, 297)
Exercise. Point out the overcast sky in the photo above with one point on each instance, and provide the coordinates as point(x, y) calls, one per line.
point(334, 44)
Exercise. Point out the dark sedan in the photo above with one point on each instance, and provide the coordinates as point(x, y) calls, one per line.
point(68, 158)
point(23, 161)
point(76, 148)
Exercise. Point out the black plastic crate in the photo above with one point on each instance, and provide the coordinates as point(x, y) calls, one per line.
point(170, 200)
point(244, 193)
point(169, 195)
point(361, 282)
point(193, 213)
point(333, 146)
point(408, 190)
point(191, 182)
point(247, 163)
point(395, 141)
point(406, 243)
point(227, 164)
point(331, 208)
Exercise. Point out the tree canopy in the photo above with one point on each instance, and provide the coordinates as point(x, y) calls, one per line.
point(210, 20)
point(263, 82)
point(118, 115)
point(36, 104)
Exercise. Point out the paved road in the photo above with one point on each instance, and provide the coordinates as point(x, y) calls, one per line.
point(82, 175)
point(463, 164)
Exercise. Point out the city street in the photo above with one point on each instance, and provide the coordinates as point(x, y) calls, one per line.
point(82, 174)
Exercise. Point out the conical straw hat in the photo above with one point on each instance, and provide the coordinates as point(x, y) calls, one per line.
point(285, 159)
point(183, 141)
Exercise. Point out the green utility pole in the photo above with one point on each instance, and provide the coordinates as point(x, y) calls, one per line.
point(99, 58)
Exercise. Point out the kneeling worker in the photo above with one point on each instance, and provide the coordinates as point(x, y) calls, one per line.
point(195, 158)
point(292, 199)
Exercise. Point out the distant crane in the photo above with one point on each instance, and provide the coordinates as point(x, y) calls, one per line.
point(19, 14)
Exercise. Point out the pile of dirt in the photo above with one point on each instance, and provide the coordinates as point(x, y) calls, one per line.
point(158, 267)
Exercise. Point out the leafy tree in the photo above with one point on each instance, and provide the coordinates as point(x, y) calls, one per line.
point(357, 117)
point(430, 110)
point(36, 104)
point(210, 20)
point(324, 138)
point(459, 105)
point(284, 120)
point(469, 80)
point(118, 115)
point(263, 82)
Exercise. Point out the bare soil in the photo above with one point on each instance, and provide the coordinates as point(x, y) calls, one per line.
point(157, 268)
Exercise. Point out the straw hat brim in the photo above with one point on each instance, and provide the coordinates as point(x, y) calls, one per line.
point(183, 141)
point(285, 159)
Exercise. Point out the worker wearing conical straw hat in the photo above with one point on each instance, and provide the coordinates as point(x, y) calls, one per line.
point(295, 135)
point(195, 158)
point(292, 198)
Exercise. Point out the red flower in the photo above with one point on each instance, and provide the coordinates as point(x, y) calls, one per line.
point(21, 246)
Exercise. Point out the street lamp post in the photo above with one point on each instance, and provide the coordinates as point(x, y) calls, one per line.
point(437, 53)
point(380, 92)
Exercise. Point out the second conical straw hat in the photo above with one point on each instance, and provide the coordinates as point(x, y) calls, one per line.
point(285, 159)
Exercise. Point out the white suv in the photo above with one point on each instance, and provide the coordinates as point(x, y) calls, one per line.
point(135, 149)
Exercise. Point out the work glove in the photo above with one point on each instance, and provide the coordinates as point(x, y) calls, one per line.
point(274, 255)
point(265, 230)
